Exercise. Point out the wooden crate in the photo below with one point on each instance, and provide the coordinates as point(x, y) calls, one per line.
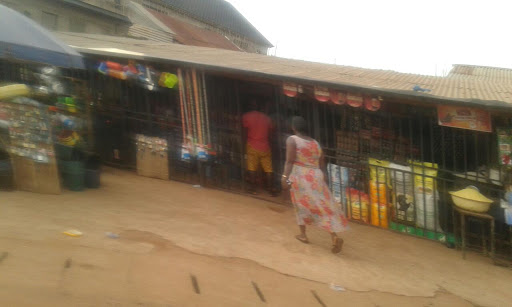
point(36, 177)
point(152, 161)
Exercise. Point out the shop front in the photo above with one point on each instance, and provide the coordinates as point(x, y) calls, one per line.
point(394, 157)
point(395, 163)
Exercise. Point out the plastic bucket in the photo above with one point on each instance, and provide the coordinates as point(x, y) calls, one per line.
point(73, 175)
point(92, 178)
point(63, 152)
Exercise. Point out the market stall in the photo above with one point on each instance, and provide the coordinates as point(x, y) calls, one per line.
point(393, 164)
point(41, 104)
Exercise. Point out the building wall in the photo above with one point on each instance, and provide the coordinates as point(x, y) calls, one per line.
point(241, 41)
point(57, 17)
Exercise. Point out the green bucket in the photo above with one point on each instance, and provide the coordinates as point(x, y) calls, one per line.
point(73, 175)
point(63, 152)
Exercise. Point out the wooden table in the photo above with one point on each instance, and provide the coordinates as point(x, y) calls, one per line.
point(482, 217)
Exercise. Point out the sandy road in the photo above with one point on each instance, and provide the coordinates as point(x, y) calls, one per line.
point(239, 251)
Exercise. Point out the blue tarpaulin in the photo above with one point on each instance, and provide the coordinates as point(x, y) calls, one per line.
point(23, 39)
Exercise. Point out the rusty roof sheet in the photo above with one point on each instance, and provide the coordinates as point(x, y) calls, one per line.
point(191, 35)
point(220, 13)
point(481, 92)
point(496, 74)
point(144, 32)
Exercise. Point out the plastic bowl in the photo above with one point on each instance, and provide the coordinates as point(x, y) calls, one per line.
point(471, 205)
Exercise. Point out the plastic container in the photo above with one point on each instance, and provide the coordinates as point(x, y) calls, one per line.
point(73, 175)
point(63, 152)
point(13, 90)
point(379, 215)
point(378, 192)
point(92, 178)
point(471, 199)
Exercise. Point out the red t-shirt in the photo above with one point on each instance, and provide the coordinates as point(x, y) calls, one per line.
point(258, 126)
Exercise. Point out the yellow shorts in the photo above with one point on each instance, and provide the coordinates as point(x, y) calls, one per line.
point(255, 158)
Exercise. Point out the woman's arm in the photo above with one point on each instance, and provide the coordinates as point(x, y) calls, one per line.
point(291, 148)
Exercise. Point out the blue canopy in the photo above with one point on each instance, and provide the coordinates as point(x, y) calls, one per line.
point(22, 38)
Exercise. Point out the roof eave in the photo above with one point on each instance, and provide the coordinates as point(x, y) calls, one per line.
point(390, 93)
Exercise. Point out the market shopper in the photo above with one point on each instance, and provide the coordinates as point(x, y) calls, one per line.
point(258, 127)
point(305, 176)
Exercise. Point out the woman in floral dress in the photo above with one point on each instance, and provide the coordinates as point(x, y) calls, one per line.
point(305, 177)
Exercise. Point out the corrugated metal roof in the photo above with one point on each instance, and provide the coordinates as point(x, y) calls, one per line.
point(97, 10)
point(480, 92)
point(143, 32)
point(220, 13)
point(140, 16)
point(191, 35)
point(488, 73)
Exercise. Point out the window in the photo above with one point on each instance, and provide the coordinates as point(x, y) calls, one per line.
point(49, 21)
point(77, 26)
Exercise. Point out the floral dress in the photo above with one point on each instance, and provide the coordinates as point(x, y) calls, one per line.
point(314, 204)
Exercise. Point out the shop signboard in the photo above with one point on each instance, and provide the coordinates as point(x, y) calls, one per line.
point(464, 118)
point(322, 94)
point(505, 146)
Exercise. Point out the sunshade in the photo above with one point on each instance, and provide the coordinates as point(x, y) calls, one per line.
point(22, 38)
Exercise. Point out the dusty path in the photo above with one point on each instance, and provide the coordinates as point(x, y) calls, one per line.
point(170, 231)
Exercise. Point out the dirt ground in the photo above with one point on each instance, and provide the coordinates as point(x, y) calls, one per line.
point(183, 246)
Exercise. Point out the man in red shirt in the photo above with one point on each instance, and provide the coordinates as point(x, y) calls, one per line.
point(258, 127)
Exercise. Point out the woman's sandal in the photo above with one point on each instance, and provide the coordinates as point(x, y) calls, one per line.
point(301, 239)
point(336, 247)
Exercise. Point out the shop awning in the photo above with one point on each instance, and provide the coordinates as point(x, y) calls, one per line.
point(439, 89)
point(23, 39)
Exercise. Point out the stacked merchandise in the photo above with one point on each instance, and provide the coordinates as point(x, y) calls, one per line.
point(402, 196)
point(357, 203)
point(379, 181)
point(30, 143)
point(426, 196)
point(338, 180)
point(29, 129)
point(152, 157)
